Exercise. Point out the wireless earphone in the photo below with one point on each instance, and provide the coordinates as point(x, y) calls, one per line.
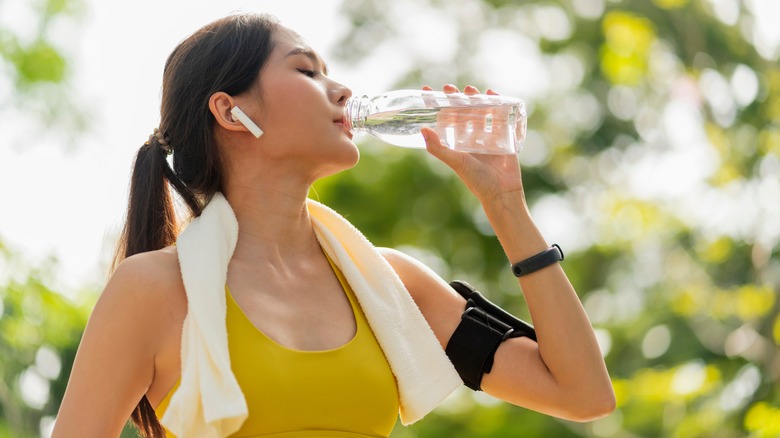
point(246, 121)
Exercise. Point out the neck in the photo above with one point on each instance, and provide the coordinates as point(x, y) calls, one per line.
point(273, 223)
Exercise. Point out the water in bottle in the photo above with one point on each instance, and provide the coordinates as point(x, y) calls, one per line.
point(479, 123)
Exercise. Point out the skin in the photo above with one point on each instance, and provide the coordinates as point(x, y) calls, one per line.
point(281, 279)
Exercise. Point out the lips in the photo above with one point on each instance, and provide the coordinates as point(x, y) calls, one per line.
point(342, 125)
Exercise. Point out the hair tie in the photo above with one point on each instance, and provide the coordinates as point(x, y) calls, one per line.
point(158, 137)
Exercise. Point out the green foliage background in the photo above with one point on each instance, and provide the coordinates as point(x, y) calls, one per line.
point(653, 158)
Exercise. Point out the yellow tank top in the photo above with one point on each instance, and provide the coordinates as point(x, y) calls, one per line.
point(347, 391)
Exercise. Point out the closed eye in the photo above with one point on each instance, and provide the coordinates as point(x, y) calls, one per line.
point(309, 73)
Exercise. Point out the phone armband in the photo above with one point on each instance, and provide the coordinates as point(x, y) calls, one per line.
point(483, 327)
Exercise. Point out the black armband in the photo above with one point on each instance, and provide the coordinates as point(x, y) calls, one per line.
point(483, 327)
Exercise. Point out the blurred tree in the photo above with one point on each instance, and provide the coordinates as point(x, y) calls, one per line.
point(39, 328)
point(39, 333)
point(35, 87)
point(653, 158)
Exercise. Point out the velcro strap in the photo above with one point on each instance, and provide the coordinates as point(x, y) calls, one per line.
point(474, 342)
point(468, 292)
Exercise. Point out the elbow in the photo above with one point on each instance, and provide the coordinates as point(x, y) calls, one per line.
point(586, 402)
point(593, 407)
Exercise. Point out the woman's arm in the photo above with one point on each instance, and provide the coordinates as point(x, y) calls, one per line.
point(115, 362)
point(564, 374)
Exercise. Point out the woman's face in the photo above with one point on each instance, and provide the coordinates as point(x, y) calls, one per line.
point(300, 108)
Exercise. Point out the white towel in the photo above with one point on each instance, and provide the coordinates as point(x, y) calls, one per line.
point(209, 401)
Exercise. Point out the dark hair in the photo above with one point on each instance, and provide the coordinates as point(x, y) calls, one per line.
point(226, 55)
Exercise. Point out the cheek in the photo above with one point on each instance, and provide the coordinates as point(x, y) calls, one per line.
point(288, 108)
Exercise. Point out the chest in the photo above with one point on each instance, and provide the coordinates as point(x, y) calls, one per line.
point(349, 387)
point(310, 315)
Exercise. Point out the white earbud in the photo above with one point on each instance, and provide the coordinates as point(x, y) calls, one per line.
point(246, 121)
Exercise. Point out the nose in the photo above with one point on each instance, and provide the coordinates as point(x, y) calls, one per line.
point(340, 93)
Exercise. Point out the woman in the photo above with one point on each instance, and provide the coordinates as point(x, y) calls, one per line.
point(285, 297)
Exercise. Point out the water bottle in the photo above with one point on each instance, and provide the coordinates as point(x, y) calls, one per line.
point(478, 123)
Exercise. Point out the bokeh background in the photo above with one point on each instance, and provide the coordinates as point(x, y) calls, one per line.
point(652, 158)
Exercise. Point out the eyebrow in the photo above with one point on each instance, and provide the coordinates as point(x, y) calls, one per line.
point(309, 54)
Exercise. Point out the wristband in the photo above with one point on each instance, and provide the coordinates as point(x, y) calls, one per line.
point(544, 259)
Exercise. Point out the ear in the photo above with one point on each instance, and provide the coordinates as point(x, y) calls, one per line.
point(220, 105)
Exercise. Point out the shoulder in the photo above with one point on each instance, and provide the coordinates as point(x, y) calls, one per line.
point(132, 323)
point(159, 267)
point(439, 303)
point(149, 275)
point(404, 262)
point(146, 286)
point(419, 279)
point(414, 274)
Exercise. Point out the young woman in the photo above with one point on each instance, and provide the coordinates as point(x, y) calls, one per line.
point(306, 342)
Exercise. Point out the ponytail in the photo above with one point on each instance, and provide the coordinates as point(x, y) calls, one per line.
point(151, 219)
point(150, 225)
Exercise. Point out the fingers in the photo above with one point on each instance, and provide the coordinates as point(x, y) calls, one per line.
point(469, 89)
point(454, 159)
point(432, 141)
point(449, 88)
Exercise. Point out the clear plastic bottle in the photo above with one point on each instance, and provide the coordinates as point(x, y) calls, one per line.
point(479, 123)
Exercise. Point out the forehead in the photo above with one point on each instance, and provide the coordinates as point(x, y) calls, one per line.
point(287, 40)
point(288, 43)
point(286, 36)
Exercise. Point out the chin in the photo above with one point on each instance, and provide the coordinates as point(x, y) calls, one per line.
point(349, 164)
point(341, 159)
point(349, 155)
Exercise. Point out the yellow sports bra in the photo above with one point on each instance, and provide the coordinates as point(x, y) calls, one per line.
point(347, 391)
